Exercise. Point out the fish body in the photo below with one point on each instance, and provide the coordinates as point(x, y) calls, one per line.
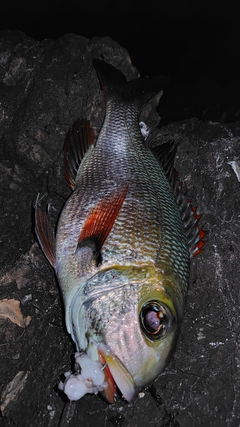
point(122, 248)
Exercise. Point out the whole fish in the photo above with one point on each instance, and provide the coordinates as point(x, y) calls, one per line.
point(123, 244)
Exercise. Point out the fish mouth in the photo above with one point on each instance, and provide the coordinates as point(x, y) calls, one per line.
point(115, 374)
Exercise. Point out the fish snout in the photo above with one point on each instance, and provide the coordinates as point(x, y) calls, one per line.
point(116, 374)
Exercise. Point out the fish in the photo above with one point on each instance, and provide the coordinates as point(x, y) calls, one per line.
point(123, 244)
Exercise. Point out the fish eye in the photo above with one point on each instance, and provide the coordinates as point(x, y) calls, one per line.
point(155, 319)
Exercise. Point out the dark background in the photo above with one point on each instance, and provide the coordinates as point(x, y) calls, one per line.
point(196, 43)
point(185, 38)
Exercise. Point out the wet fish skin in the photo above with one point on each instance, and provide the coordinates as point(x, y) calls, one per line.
point(122, 250)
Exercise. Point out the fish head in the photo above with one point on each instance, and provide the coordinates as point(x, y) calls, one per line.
point(131, 318)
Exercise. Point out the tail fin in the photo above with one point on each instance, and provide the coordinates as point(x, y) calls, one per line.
point(114, 84)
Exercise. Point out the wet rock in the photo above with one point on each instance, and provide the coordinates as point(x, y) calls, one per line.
point(45, 87)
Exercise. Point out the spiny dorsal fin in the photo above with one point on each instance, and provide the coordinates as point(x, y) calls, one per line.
point(101, 220)
point(165, 154)
point(195, 234)
point(78, 140)
point(45, 234)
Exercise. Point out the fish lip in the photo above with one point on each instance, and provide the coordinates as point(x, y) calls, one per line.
point(118, 371)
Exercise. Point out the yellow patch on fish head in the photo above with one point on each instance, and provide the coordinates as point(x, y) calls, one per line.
point(143, 327)
point(158, 320)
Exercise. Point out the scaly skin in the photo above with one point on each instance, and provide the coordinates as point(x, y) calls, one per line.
point(147, 234)
point(145, 256)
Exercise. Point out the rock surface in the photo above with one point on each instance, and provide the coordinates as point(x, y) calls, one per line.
point(45, 86)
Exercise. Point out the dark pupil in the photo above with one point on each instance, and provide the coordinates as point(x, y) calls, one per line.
point(153, 320)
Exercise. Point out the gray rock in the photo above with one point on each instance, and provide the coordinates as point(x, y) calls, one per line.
point(45, 86)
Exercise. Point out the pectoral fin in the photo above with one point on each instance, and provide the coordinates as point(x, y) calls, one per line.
point(101, 220)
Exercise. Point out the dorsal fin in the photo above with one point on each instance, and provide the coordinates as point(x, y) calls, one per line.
point(45, 234)
point(165, 154)
point(78, 140)
point(101, 220)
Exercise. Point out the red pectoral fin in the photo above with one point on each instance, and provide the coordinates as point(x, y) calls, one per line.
point(102, 217)
point(45, 234)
